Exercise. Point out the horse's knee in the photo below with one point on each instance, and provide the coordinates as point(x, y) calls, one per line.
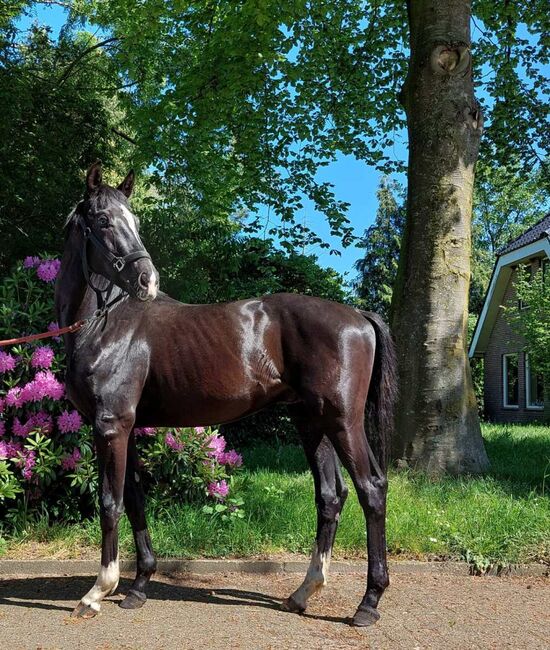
point(110, 425)
point(111, 511)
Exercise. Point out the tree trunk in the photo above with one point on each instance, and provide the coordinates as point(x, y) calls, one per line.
point(437, 426)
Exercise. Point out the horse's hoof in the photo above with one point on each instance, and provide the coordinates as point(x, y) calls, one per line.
point(84, 611)
point(134, 600)
point(290, 605)
point(365, 616)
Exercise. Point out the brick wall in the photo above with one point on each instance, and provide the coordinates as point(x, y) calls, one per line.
point(503, 340)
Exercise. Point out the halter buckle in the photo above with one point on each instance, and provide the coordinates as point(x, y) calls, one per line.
point(118, 264)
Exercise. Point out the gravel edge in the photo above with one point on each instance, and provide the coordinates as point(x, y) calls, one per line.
point(54, 567)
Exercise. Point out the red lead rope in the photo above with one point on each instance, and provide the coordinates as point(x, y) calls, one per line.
point(45, 335)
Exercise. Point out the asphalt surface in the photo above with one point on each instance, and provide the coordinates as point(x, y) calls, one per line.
point(238, 610)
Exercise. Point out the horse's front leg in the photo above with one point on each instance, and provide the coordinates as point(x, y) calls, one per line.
point(111, 439)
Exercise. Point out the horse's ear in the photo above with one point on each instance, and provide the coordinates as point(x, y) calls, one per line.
point(127, 185)
point(94, 176)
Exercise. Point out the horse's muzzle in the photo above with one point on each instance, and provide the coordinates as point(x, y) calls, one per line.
point(147, 285)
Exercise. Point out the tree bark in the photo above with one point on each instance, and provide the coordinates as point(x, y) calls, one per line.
point(437, 427)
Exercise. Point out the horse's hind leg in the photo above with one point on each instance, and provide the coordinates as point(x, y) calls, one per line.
point(371, 486)
point(330, 495)
point(134, 503)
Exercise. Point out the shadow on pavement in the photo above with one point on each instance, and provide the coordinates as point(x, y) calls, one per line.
point(38, 593)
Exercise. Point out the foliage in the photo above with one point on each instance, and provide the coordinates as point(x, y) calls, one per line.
point(531, 321)
point(47, 466)
point(507, 201)
point(382, 243)
point(511, 51)
point(245, 102)
point(207, 259)
point(477, 367)
point(496, 520)
point(57, 117)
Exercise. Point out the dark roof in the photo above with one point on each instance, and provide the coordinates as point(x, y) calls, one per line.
point(538, 231)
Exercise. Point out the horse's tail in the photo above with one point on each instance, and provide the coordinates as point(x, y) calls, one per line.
point(382, 391)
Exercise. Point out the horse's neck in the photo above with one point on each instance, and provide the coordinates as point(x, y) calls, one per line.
point(72, 300)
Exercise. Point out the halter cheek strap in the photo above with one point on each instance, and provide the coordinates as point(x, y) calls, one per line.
point(117, 263)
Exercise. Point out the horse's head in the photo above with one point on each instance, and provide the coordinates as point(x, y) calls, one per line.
point(112, 246)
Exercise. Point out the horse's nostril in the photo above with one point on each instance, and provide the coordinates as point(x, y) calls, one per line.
point(143, 280)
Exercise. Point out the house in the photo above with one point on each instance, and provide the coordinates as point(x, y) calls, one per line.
point(512, 389)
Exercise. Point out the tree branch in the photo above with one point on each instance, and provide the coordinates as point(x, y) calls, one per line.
point(123, 135)
point(57, 3)
point(84, 53)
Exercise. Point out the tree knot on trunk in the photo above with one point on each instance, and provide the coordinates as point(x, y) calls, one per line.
point(450, 59)
point(473, 117)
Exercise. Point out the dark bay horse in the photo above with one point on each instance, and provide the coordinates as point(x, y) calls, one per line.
point(153, 361)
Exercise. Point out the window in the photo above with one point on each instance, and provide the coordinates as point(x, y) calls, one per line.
point(510, 376)
point(534, 387)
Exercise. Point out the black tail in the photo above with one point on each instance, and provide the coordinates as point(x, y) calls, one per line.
point(382, 391)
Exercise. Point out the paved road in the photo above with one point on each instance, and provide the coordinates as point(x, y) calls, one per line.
point(241, 611)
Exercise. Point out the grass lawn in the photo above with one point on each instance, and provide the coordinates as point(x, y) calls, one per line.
point(501, 518)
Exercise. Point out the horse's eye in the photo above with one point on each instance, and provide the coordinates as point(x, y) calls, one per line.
point(103, 222)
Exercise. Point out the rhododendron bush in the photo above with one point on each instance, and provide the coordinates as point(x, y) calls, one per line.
point(47, 464)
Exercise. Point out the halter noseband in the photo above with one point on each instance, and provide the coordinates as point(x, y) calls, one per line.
point(118, 263)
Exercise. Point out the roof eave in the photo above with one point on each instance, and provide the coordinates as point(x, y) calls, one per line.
point(497, 285)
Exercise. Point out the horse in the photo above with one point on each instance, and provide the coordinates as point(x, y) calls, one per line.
point(143, 359)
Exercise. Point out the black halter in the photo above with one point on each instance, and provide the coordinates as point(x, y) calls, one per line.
point(118, 263)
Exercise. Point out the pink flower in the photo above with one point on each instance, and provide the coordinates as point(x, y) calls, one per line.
point(215, 446)
point(54, 326)
point(145, 431)
point(30, 462)
point(7, 362)
point(231, 458)
point(199, 429)
point(30, 392)
point(69, 422)
point(43, 385)
point(48, 269)
point(171, 441)
point(47, 385)
point(31, 262)
point(42, 357)
point(19, 429)
point(40, 421)
point(13, 397)
point(218, 490)
point(26, 460)
point(2, 428)
point(10, 449)
point(2, 405)
point(69, 462)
